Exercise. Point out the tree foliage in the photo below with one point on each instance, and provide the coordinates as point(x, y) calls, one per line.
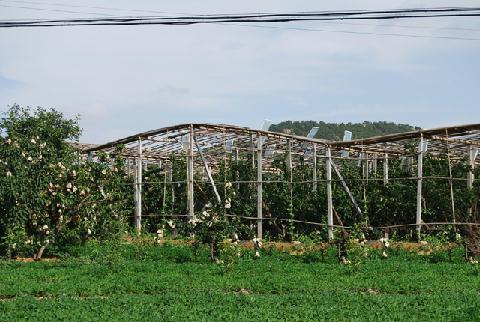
point(50, 195)
point(335, 131)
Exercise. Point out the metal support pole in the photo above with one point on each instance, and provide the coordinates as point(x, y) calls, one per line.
point(385, 169)
point(328, 161)
point(259, 188)
point(314, 168)
point(190, 199)
point(138, 189)
point(418, 220)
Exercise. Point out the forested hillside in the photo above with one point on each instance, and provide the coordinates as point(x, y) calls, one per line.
point(334, 131)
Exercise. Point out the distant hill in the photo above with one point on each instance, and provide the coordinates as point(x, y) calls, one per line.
point(334, 131)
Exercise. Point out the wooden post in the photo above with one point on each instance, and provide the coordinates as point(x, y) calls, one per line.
point(418, 220)
point(259, 188)
point(385, 169)
point(329, 193)
point(314, 168)
point(138, 189)
point(190, 199)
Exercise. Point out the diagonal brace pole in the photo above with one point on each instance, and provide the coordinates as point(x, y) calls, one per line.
point(345, 187)
point(209, 173)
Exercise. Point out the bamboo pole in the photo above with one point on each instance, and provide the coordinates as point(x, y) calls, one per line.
point(471, 164)
point(224, 210)
point(385, 169)
point(418, 219)
point(450, 181)
point(290, 180)
point(129, 163)
point(259, 188)
point(190, 199)
point(237, 174)
point(470, 177)
point(314, 188)
point(164, 199)
point(172, 186)
point(365, 165)
point(209, 173)
point(345, 187)
point(329, 193)
point(138, 189)
point(252, 147)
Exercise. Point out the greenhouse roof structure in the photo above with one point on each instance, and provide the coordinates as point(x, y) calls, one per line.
point(216, 139)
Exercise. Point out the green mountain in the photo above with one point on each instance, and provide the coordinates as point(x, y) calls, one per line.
point(335, 131)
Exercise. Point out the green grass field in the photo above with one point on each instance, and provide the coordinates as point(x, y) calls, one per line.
point(170, 283)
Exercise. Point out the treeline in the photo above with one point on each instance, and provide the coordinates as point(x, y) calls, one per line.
point(335, 131)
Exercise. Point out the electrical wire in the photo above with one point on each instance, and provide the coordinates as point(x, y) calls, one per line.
point(56, 10)
point(251, 18)
point(356, 32)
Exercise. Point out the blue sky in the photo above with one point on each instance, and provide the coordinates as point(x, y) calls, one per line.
point(123, 80)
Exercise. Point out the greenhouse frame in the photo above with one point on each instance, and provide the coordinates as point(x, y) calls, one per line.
point(205, 148)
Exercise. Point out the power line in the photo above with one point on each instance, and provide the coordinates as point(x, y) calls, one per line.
point(55, 10)
point(55, 4)
point(251, 18)
point(355, 32)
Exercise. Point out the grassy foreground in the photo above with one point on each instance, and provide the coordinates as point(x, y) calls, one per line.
point(169, 283)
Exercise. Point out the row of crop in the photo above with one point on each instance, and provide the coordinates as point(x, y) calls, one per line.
point(290, 195)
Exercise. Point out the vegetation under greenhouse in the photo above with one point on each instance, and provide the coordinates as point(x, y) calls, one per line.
point(216, 182)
